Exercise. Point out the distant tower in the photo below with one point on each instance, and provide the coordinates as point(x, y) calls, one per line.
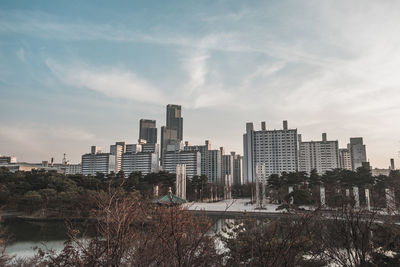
point(172, 134)
point(357, 152)
point(392, 167)
point(148, 131)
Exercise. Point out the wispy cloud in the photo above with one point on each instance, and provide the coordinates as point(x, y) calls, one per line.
point(21, 54)
point(114, 82)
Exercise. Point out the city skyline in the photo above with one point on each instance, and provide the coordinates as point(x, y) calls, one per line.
point(76, 74)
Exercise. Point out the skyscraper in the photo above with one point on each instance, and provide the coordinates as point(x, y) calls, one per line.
point(175, 120)
point(358, 152)
point(148, 131)
point(172, 134)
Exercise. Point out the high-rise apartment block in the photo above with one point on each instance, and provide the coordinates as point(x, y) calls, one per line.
point(133, 148)
point(237, 173)
point(277, 149)
point(192, 160)
point(97, 162)
point(345, 159)
point(144, 162)
point(227, 166)
point(358, 152)
point(117, 150)
point(319, 155)
point(148, 131)
point(203, 149)
point(211, 161)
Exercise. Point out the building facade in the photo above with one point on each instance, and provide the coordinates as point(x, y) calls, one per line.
point(73, 169)
point(319, 155)
point(237, 174)
point(345, 159)
point(172, 133)
point(143, 162)
point(117, 150)
point(211, 161)
point(358, 152)
point(192, 160)
point(148, 131)
point(98, 162)
point(277, 149)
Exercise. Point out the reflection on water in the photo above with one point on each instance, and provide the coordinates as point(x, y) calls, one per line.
point(24, 236)
point(27, 235)
point(26, 249)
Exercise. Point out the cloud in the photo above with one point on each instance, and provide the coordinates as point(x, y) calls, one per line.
point(330, 64)
point(21, 54)
point(33, 141)
point(114, 82)
point(196, 67)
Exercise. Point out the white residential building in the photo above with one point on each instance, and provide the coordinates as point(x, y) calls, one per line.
point(192, 160)
point(211, 161)
point(345, 159)
point(117, 150)
point(143, 162)
point(98, 162)
point(277, 149)
point(320, 155)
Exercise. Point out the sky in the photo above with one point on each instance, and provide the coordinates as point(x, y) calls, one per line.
point(80, 73)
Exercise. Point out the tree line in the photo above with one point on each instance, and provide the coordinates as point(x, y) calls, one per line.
point(55, 194)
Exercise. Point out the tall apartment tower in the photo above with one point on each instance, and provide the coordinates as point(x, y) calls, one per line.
point(204, 154)
point(277, 149)
point(172, 133)
point(211, 161)
point(345, 159)
point(148, 131)
point(320, 155)
point(192, 160)
point(227, 165)
point(392, 164)
point(358, 152)
point(237, 175)
point(117, 150)
point(248, 170)
point(144, 162)
point(232, 166)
